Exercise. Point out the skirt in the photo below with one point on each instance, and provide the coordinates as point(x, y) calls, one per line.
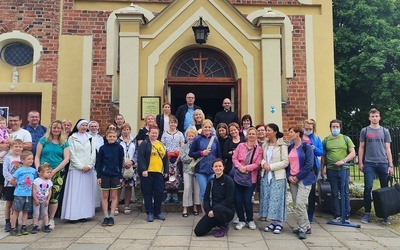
point(80, 195)
point(273, 199)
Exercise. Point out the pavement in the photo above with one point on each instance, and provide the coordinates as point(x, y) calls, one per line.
point(133, 232)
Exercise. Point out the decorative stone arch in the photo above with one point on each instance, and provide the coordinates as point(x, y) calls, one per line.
point(205, 65)
point(17, 36)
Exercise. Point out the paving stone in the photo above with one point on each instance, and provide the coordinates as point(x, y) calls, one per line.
point(345, 236)
point(130, 244)
point(175, 231)
point(217, 244)
point(88, 246)
point(287, 244)
point(388, 242)
point(362, 245)
point(13, 246)
point(52, 243)
point(145, 234)
point(171, 241)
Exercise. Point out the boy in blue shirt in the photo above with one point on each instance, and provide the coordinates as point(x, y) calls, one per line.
point(23, 180)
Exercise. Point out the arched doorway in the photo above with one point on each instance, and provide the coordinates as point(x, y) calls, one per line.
point(208, 75)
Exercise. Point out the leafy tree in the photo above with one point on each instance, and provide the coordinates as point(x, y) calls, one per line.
point(367, 60)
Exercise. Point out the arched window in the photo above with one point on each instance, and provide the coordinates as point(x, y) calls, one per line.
point(201, 64)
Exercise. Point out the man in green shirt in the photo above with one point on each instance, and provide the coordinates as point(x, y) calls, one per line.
point(338, 149)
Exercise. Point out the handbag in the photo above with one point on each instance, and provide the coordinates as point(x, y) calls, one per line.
point(244, 179)
point(387, 200)
point(128, 172)
point(173, 180)
point(194, 162)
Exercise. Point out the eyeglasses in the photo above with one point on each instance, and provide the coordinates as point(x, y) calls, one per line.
point(308, 129)
point(189, 97)
point(227, 103)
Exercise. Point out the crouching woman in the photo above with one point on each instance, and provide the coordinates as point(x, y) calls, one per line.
point(218, 202)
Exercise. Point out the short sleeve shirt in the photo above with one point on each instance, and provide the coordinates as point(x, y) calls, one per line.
point(52, 153)
point(25, 177)
point(42, 188)
point(336, 149)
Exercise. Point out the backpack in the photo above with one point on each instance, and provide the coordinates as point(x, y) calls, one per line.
point(315, 167)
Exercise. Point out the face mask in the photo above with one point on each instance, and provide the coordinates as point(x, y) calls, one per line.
point(246, 126)
point(335, 132)
point(308, 133)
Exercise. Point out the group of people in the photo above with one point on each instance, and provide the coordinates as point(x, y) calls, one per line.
point(222, 166)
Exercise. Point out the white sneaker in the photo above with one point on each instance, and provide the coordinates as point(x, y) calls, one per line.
point(236, 221)
point(252, 225)
point(52, 224)
point(240, 225)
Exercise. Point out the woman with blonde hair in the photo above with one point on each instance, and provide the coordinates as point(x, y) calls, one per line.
point(206, 147)
point(198, 119)
point(53, 148)
point(191, 192)
point(310, 137)
point(143, 134)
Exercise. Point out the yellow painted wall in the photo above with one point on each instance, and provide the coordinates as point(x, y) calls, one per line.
point(24, 72)
point(69, 91)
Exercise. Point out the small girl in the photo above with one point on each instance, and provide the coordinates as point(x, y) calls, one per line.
point(3, 135)
point(41, 197)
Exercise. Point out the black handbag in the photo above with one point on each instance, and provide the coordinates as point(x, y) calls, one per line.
point(387, 200)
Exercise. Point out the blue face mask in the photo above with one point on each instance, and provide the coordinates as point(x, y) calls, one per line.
point(335, 132)
point(308, 133)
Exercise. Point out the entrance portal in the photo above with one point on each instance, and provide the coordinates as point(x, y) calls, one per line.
point(209, 98)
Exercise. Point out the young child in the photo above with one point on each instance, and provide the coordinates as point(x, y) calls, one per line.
point(23, 180)
point(109, 163)
point(3, 135)
point(10, 165)
point(41, 197)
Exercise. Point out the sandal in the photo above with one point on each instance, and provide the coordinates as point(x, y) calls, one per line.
point(116, 212)
point(278, 229)
point(127, 210)
point(184, 215)
point(269, 228)
point(262, 219)
point(195, 213)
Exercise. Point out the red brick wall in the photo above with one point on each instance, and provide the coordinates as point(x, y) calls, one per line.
point(41, 20)
point(295, 110)
point(77, 22)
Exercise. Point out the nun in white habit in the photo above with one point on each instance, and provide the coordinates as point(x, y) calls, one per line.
point(81, 187)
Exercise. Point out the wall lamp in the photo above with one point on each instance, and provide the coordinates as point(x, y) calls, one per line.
point(200, 31)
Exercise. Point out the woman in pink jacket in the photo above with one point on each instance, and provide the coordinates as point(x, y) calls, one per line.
point(246, 159)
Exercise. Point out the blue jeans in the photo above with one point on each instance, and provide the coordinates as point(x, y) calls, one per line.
point(202, 180)
point(334, 178)
point(242, 198)
point(370, 171)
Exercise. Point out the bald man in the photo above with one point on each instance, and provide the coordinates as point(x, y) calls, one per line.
point(226, 115)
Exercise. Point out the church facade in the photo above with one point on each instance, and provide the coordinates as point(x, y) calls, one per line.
point(94, 59)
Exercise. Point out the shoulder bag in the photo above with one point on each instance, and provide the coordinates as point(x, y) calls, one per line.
point(193, 163)
point(244, 179)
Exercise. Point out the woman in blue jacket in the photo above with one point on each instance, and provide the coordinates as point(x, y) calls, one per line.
point(301, 176)
point(208, 152)
point(310, 137)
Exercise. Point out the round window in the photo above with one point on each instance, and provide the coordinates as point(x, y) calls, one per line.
point(17, 54)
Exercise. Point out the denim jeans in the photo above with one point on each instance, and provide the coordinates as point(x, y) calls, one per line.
point(370, 171)
point(202, 180)
point(242, 198)
point(334, 177)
